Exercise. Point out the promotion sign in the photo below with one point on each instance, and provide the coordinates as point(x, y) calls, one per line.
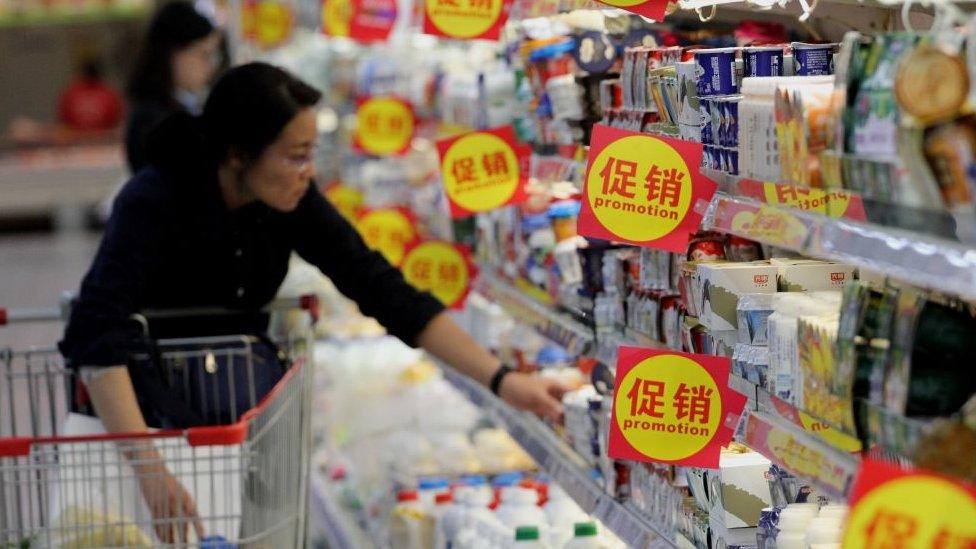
point(892, 507)
point(465, 19)
point(482, 170)
point(362, 20)
point(643, 189)
point(442, 268)
point(345, 199)
point(672, 407)
point(384, 126)
point(267, 23)
point(389, 231)
point(652, 9)
point(829, 202)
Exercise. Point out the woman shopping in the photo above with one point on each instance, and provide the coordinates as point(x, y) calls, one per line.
point(211, 222)
point(177, 63)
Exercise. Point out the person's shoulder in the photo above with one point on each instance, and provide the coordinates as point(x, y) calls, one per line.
point(149, 190)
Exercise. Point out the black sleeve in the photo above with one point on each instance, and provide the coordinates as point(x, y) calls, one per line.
point(325, 239)
point(99, 332)
point(142, 120)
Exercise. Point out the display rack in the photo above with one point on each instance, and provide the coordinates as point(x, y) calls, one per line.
point(565, 467)
point(929, 262)
point(340, 528)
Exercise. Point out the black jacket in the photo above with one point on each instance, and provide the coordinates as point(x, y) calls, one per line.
point(171, 242)
point(144, 116)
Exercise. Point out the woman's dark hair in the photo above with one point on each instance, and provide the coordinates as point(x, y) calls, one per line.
point(245, 112)
point(174, 26)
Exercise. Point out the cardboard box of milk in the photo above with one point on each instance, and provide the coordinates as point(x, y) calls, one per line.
point(722, 286)
point(738, 490)
point(812, 276)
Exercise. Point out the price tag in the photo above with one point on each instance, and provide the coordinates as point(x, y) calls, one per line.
point(346, 199)
point(465, 19)
point(892, 507)
point(389, 231)
point(267, 23)
point(642, 189)
point(384, 126)
point(364, 21)
point(672, 407)
point(482, 170)
point(832, 203)
point(442, 268)
point(652, 9)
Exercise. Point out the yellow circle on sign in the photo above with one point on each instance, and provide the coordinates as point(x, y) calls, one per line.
point(623, 3)
point(463, 18)
point(388, 231)
point(913, 511)
point(639, 188)
point(480, 172)
point(384, 126)
point(345, 199)
point(437, 267)
point(336, 17)
point(668, 407)
point(273, 23)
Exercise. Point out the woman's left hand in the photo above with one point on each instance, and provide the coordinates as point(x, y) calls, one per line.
point(539, 395)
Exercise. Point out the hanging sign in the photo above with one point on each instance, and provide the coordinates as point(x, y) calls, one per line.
point(442, 268)
point(384, 126)
point(466, 19)
point(893, 507)
point(267, 23)
point(389, 231)
point(482, 170)
point(643, 189)
point(345, 199)
point(364, 21)
point(651, 9)
point(829, 202)
point(672, 407)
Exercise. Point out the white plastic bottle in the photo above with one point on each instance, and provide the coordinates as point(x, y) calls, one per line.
point(453, 519)
point(428, 488)
point(584, 536)
point(528, 537)
point(443, 502)
point(562, 514)
point(409, 523)
point(519, 507)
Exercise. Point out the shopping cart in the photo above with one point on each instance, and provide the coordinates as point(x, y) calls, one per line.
point(64, 482)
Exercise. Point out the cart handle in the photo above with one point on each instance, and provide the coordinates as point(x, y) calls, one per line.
point(231, 434)
point(307, 302)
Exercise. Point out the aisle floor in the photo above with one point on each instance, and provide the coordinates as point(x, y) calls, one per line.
point(34, 271)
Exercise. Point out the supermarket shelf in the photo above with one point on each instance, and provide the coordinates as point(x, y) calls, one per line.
point(53, 17)
point(565, 467)
point(791, 441)
point(929, 262)
point(561, 327)
point(339, 527)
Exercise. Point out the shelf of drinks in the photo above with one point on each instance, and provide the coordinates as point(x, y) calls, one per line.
point(565, 467)
point(340, 528)
point(926, 261)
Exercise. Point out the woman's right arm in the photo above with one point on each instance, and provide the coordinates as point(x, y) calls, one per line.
point(98, 340)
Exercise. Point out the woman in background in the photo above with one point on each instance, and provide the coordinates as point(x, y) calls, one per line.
point(177, 63)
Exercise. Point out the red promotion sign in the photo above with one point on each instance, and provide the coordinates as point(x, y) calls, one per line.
point(892, 507)
point(651, 9)
point(390, 231)
point(643, 189)
point(362, 20)
point(829, 202)
point(267, 23)
point(384, 126)
point(482, 170)
point(442, 268)
point(466, 19)
point(672, 407)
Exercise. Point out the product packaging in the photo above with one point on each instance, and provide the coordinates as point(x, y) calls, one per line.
point(724, 283)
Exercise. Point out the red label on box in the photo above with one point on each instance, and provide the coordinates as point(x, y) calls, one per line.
point(652, 9)
point(672, 407)
point(441, 268)
point(892, 507)
point(482, 170)
point(643, 189)
point(466, 19)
